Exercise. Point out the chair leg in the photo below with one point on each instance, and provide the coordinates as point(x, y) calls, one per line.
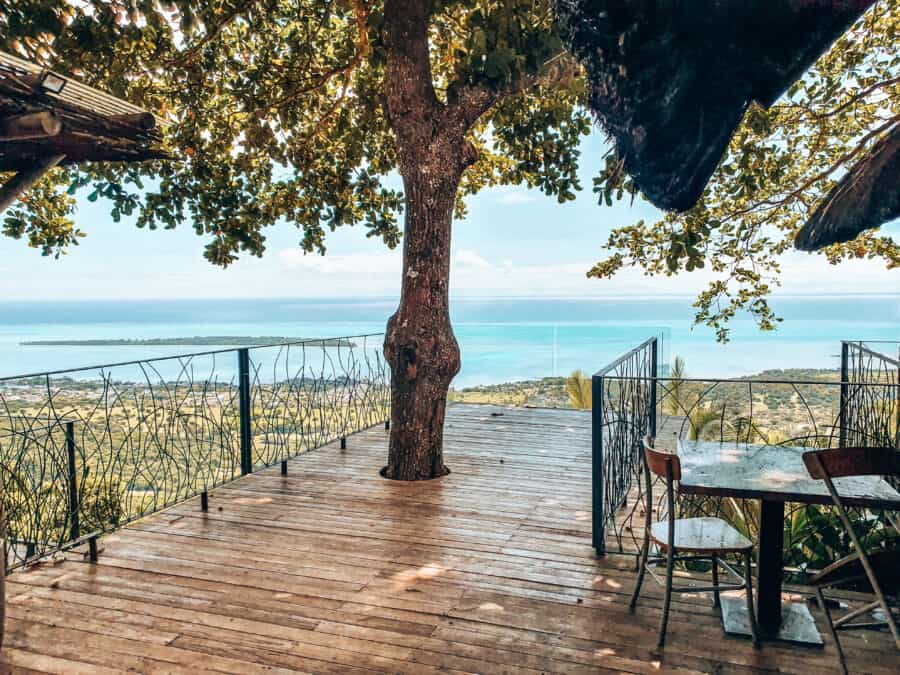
point(831, 631)
point(670, 568)
point(751, 611)
point(715, 580)
point(642, 567)
point(886, 608)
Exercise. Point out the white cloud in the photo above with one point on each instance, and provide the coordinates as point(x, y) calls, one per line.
point(375, 271)
point(374, 263)
point(467, 258)
point(352, 274)
point(517, 197)
point(474, 274)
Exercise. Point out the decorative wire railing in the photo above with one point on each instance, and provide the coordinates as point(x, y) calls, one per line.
point(85, 451)
point(868, 394)
point(623, 412)
point(859, 408)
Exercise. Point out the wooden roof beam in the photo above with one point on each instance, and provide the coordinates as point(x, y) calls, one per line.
point(30, 126)
point(143, 121)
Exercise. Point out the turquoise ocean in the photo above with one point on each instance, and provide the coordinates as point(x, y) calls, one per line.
point(501, 339)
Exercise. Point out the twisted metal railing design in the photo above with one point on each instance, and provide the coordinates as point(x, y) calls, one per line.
point(860, 410)
point(36, 502)
point(624, 411)
point(303, 400)
point(86, 451)
point(869, 400)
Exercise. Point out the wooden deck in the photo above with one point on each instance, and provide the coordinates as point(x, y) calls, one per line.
point(334, 569)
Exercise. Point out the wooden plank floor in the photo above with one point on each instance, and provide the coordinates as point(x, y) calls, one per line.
point(334, 569)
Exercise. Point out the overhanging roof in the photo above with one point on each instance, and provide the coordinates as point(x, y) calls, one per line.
point(867, 196)
point(671, 80)
point(79, 122)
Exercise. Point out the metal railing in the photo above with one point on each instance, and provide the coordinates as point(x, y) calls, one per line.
point(868, 397)
point(623, 412)
point(858, 408)
point(85, 451)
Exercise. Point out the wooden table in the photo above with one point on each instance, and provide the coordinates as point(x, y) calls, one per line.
point(773, 474)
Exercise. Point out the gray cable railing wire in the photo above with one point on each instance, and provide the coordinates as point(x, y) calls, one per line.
point(860, 408)
point(84, 451)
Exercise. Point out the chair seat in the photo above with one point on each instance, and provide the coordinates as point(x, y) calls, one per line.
point(701, 535)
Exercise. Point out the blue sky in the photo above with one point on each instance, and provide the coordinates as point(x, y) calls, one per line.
point(515, 242)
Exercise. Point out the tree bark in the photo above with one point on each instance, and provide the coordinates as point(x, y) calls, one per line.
point(432, 153)
point(419, 344)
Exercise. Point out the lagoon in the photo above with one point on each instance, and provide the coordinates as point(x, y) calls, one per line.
point(502, 339)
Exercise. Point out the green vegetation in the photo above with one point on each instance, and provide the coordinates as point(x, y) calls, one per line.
point(578, 387)
point(799, 414)
point(196, 341)
point(814, 536)
point(552, 392)
point(549, 392)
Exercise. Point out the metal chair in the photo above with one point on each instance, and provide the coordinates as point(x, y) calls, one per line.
point(877, 573)
point(694, 539)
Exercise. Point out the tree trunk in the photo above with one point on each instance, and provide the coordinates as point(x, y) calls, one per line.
point(419, 345)
point(432, 153)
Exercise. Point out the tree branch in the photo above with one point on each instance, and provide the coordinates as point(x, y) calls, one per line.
point(858, 96)
point(809, 182)
point(466, 103)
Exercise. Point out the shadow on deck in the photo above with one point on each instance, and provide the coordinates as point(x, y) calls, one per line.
point(334, 569)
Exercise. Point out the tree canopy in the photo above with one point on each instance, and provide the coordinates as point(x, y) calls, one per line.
point(276, 110)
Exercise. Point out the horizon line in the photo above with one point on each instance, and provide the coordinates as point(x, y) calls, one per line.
point(351, 298)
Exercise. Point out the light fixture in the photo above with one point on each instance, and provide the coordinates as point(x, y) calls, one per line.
point(52, 82)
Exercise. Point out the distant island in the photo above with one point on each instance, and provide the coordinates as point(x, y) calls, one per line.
point(196, 341)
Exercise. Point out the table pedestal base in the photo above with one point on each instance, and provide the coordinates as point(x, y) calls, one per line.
point(797, 624)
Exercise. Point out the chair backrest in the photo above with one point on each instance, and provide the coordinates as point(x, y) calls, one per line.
point(839, 462)
point(661, 463)
point(667, 466)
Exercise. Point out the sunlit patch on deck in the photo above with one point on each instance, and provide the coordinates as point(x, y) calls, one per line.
point(248, 501)
point(490, 607)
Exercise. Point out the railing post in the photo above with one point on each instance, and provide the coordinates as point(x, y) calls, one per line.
point(75, 529)
point(651, 430)
point(845, 393)
point(245, 411)
point(598, 535)
point(897, 411)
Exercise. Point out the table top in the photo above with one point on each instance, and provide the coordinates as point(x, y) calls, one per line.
point(771, 472)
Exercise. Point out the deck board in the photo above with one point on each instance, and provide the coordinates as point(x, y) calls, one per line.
point(336, 570)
